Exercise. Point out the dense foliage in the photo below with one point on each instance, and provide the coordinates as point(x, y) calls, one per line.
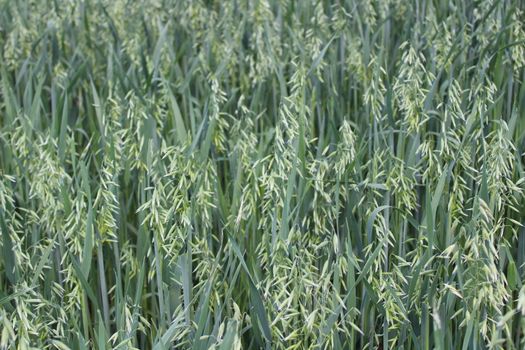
point(275, 174)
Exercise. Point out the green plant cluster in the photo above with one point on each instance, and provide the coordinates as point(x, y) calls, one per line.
point(262, 174)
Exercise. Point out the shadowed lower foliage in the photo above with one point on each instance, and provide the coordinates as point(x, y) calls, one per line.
point(262, 174)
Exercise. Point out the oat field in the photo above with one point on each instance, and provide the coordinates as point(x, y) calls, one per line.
point(262, 174)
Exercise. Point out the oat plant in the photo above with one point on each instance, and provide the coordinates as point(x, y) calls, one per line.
point(262, 174)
